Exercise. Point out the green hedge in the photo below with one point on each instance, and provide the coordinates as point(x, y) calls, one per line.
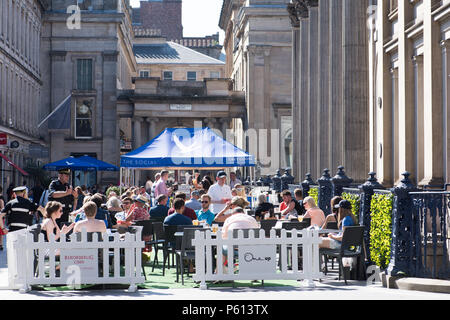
point(355, 201)
point(381, 229)
point(314, 193)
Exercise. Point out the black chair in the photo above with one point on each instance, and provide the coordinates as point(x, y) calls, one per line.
point(147, 231)
point(331, 225)
point(267, 225)
point(157, 219)
point(158, 240)
point(186, 251)
point(307, 221)
point(170, 244)
point(352, 246)
point(294, 225)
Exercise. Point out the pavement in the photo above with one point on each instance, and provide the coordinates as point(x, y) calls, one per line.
point(328, 289)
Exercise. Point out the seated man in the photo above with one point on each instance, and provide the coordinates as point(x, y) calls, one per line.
point(161, 209)
point(188, 212)
point(204, 214)
point(177, 218)
point(91, 224)
point(193, 203)
point(238, 220)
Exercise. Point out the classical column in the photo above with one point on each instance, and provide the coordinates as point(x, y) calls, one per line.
point(303, 75)
point(446, 107)
point(295, 88)
point(433, 124)
point(152, 127)
point(406, 115)
point(314, 86)
point(355, 88)
point(225, 124)
point(324, 121)
point(418, 119)
point(137, 132)
point(335, 87)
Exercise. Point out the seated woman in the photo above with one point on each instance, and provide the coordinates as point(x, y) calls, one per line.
point(53, 211)
point(314, 212)
point(236, 202)
point(345, 219)
point(263, 207)
point(334, 211)
point(90, 224)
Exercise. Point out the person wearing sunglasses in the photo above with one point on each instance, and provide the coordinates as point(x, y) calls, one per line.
point(204, 213)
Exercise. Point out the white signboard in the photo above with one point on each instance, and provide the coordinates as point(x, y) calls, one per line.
point(186, 189)
point(181, 107)
point(257, 259)
point(85, 261)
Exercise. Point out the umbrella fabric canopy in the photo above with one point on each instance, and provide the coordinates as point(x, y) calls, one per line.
point(101, 165)
point(71, 163)
point(187, 148)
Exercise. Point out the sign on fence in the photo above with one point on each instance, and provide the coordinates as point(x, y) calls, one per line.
point(86, 260)
point(259, 259)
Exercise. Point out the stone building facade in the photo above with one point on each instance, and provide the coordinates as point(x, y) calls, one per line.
point(163, 18)
point(330, 87)
point(21, 78)
point(258, 58)
point(176, 87)
point(91, 63)
point(409, 53)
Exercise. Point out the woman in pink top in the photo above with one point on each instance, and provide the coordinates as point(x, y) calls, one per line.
point(314, 212)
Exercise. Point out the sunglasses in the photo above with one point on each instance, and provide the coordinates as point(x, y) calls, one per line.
point(205, 201)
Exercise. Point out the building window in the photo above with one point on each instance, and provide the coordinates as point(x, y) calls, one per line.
point(214, 74)
point(167, 75)
point(84, 74)
point(83, 118)
point(144, 73)
point(192, 76)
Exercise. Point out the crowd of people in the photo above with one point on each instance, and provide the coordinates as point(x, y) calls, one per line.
point(62, 208)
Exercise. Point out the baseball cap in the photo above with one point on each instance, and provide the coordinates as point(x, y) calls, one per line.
point(345, 204)
point(221, 174)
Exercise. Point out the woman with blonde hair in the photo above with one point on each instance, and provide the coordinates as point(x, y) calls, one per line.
point(314, 212)
point(236, 202)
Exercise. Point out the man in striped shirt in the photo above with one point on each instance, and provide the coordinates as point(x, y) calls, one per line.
point(19, 211)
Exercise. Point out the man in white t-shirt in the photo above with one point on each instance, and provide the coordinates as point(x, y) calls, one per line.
point(220, 193)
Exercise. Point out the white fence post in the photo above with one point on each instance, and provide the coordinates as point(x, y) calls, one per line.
point(257, 256)
point(34, 262)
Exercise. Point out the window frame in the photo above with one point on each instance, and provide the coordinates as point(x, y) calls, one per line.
point(187, 75)
point(164, 75)
point(91, 118)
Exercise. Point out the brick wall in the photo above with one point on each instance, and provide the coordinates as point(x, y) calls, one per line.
point(164, 15)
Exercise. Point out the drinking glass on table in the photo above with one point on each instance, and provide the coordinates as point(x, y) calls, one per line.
point(195, 222)
point(215, 228)
point(300, 218)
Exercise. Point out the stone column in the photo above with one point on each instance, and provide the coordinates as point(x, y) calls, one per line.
point(433, 124)
point(303, 75)
point(335, 87)
point(137, 132)
point(419, 123)
point(313, 132)
point(446, 106)
point(295, 88)
point(225, 124)
point(324, 121)
point(152, 127)
point(405, 89)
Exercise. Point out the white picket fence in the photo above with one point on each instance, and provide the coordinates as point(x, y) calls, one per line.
point(35, 263)
point(259, 258)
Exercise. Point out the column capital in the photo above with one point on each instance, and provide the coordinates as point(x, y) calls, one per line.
point(151, 120)
point(137, 119)
point(295, 22)
point(311, 3)
point(417, 59)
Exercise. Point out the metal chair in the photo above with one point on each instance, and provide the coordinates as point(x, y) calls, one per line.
point(158, 240)
point(352, 246)
point(267, 225)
